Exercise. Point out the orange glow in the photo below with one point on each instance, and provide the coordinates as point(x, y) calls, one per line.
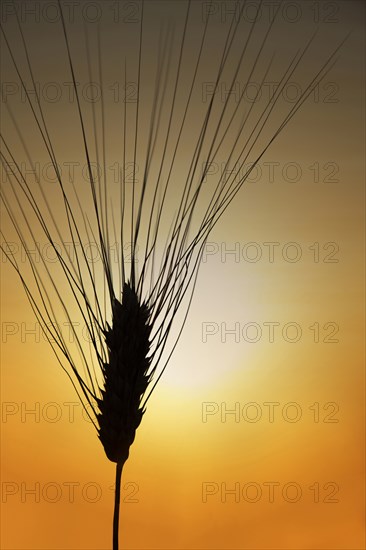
point(253, 438)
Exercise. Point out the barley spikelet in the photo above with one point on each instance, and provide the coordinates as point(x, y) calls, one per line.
point(125, 375)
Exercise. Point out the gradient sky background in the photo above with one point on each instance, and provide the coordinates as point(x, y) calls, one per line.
point(190, 452)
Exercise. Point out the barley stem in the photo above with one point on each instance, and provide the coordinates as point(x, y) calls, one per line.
point(117, 498)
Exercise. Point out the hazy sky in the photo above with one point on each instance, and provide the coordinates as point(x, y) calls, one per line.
point(263, 395)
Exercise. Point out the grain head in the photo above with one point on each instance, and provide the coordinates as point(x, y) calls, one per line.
point(125, 375)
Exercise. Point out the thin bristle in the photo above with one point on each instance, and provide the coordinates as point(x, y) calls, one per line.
point(125, 375)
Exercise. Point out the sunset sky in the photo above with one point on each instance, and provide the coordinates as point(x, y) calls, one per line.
point(254, 437)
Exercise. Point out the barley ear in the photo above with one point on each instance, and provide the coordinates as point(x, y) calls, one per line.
point(125, 375)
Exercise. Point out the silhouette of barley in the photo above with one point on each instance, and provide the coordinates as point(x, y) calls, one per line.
point(129, 315)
